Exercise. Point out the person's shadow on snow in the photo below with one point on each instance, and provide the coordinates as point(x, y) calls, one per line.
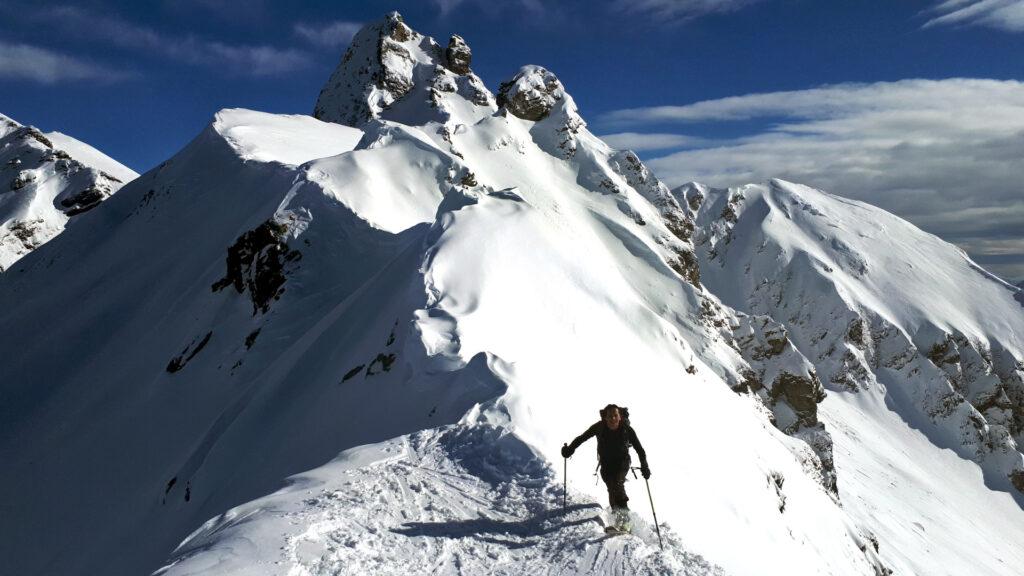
point(519, 533)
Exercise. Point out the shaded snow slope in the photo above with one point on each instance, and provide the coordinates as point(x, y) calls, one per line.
point(45, 180)
point(917, 343)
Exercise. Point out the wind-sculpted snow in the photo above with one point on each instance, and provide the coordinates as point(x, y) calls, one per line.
point(45, 180)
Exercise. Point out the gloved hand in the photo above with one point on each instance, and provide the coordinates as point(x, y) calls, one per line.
point(566, 451)
point(645, 471)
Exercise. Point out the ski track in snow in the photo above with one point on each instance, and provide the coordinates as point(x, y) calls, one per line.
point(420, 509)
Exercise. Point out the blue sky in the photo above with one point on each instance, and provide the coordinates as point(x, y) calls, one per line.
point(914, 105)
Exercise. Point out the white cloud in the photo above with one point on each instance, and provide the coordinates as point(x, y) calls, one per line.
point(21, 61)
point(249, 60)
point(1003, 14)
point(330, 35)
point(637, 141)
point(682, 9)
point(944, 154)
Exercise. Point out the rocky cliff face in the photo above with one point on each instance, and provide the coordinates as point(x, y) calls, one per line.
point(43, 184)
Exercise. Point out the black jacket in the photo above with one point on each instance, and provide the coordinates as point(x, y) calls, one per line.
point(612, 445)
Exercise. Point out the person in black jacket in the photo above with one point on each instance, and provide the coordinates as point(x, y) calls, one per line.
point(614, 437)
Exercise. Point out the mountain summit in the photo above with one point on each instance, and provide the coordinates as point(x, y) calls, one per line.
point(354, 344)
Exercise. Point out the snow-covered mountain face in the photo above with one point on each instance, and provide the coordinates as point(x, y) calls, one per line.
point(46, 180)
point(876, 303)
point(414, 299)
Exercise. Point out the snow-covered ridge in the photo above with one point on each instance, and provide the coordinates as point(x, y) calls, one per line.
point(46, 179)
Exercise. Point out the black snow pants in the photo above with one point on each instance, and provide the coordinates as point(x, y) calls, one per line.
point(614, 476)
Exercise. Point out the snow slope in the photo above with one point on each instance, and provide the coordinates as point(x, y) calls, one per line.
point(271, 361)
point(47, 180)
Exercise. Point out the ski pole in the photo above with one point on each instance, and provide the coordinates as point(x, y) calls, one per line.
point(565, 478)
point(655, 514)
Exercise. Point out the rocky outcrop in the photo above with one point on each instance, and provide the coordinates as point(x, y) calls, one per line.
point(258, 263)
point(387, 63)
point(531, 94)
point(785, 381)
point(458, 55)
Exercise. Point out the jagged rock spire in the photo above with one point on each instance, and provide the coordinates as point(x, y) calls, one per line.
point(388, 64)
point(532, 93)
point(458, 55)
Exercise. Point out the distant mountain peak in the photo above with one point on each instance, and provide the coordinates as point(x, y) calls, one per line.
point(45, 179)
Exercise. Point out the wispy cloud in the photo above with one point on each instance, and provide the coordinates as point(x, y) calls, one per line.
point(253, 60)
point(944, 154)
point(447, 6)
point(1003, 14)
point(24, 62)
point(329, 35)
point(681, 10)
point(638, 141)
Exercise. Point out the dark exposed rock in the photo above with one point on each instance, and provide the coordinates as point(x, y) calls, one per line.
point(1017, 479)
point(855, 334)
point(686, 265)
point(24, 178)
point(531, 94)
point(24, 231)
point(28, 132)
point(390, 78)
point(458, 55)
point(83, 201)
point(179, 361)
point(397, 29)
point(251, 338)
point(801, 393)
point(352, 373)
point(383, 362)
point(468, 180)
point(257, 262)
point(944, 352)
point(695, 198)
point(776, 480)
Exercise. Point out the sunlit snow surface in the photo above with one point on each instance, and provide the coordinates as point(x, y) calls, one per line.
point(466, 499)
